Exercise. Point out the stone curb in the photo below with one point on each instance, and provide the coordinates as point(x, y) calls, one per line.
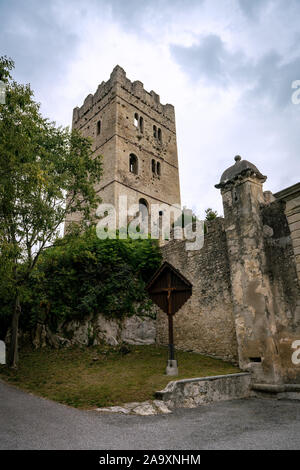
point(188, 393)
point(191, 393)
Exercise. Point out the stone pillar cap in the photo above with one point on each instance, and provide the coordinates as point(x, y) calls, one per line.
point(241, 167)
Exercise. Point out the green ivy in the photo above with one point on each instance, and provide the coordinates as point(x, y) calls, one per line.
point(83, 275)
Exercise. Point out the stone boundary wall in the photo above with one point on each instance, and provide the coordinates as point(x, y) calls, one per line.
point(281, 266)
point(205, 324)
point(190, 393)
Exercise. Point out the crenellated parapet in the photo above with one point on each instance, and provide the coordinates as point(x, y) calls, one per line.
point(117, 82)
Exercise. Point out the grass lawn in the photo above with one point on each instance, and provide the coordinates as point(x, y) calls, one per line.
point(97, 376)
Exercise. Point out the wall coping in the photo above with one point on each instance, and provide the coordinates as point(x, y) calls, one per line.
point(288, 193)
point(191, 393)
point(209, 377)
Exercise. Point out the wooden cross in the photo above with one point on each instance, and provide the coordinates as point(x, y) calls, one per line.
point(174, 302)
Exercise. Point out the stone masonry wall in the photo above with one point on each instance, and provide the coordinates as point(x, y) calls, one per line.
point(191, 393)
point(282, 273)
point(281, 262)
point(205, 323)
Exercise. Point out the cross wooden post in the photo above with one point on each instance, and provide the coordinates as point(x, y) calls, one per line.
point(170, 320)
point(169, 290)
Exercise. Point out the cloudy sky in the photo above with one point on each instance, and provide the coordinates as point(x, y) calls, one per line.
point(226, 65)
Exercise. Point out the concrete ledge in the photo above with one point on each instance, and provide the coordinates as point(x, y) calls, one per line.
point(190, 393)
point(280, 391)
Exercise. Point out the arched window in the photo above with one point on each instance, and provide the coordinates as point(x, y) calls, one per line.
point(141, 125)
point(133, 164)
point(154, 131)
point(98, 127)
point(158, 168)
point(143, 208)
point(136, 120)
point(144, 215)
point(153, 166)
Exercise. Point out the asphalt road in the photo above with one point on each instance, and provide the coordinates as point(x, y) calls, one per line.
point(29, 422)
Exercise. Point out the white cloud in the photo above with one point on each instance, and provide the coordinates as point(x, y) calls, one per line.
point(226, 66)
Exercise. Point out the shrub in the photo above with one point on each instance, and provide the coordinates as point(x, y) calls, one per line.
point(83, 275)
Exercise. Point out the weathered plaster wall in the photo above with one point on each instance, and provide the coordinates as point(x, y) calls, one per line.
point(292, 212)
point(264, 282)
point(280, 262)
point(251, 291)
point(205, 323)
point(281, 268)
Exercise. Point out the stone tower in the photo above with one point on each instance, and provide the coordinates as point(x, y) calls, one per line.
point(136, 136)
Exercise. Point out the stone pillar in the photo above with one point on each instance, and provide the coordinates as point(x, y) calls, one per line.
point(242, 191)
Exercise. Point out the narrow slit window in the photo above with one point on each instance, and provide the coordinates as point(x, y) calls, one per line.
point(158, 168)
point(159, 134)
point(136, 120)
point(141, 125)
point(154, 131)
point(153, 166)
point(133, 164)
point(98, 127)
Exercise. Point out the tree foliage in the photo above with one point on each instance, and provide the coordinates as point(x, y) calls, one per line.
point(88, 276)
point(40, 164)
point(210, 214)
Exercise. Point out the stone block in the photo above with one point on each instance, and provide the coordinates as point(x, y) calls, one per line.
point(190, 393)
point(293, 218)
point(295, 226)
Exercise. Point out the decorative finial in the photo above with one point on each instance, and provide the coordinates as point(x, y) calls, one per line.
point(238, 158)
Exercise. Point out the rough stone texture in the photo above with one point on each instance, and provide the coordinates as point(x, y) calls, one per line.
point(280, 263)
point(146, 408)
point(291, 198)
point(96, 330)
point(205, 323)
point(107, 330)
point(115, 104)
point(264, 284)
point(137, 330)
point(190, 393)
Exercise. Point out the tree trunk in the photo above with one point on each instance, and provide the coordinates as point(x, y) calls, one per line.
point(13, 347)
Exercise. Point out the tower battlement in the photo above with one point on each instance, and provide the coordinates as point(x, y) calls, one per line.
point(136, 89)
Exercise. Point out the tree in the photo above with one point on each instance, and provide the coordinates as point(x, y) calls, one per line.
point(210, 214)
point(88, 276)
point(39, 165)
